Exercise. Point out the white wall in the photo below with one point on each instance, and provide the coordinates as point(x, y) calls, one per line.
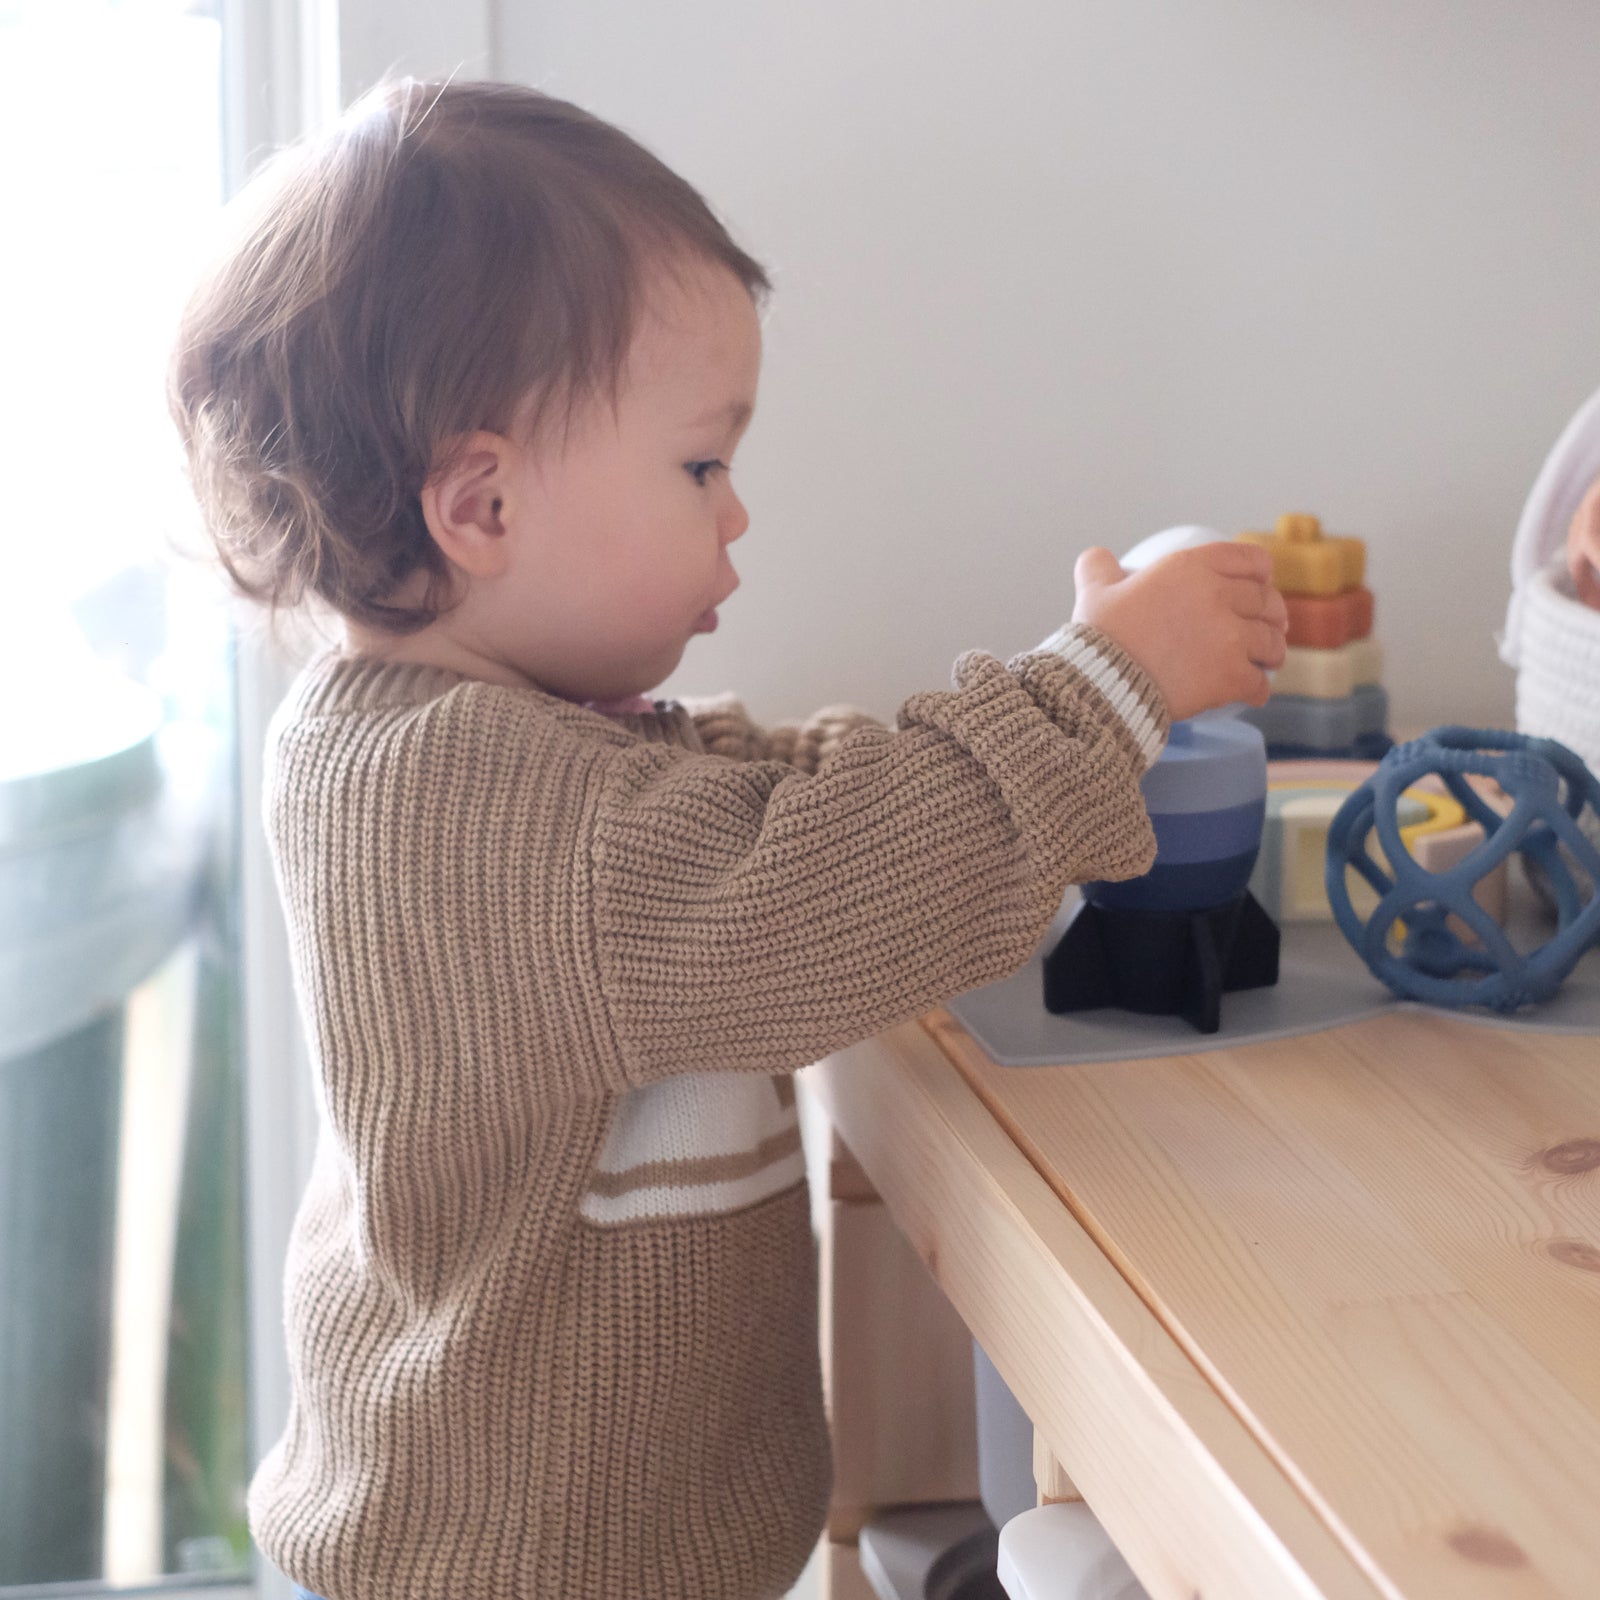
point(1052, 274)
point(372, 39)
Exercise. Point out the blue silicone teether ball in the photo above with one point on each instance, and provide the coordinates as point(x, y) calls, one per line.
point(1550, 789)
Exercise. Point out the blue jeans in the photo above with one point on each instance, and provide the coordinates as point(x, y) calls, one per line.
point(305, 1594)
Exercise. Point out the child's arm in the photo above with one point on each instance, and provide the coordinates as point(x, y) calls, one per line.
point(1583, 547)
point(758, 917)
point(726, 729)
point(752, 916)
point(1161, 617)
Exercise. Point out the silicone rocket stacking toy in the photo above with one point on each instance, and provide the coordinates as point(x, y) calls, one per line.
point(1173, 942)
point(1328, 698)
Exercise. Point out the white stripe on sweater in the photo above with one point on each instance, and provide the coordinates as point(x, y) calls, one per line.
point(685, 1122)
point(1072, 644)
point(698, 1200)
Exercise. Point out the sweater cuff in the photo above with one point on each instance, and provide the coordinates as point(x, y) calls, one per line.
point(1127, 687)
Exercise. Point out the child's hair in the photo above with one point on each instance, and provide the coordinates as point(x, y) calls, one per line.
point(445, 257)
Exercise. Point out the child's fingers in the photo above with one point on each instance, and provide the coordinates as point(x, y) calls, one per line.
point(1230, 559)
point(1265, 645)
point(1254, 687)
point(1095, 568)
point(1247, 598)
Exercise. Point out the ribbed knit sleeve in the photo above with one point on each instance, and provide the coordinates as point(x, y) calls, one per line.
point(752, 916)
point(559, 906)
point(727, 729)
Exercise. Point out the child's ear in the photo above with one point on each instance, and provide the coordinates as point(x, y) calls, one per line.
point(463, 503)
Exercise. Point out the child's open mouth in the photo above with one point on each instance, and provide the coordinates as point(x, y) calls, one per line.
point(707, 622)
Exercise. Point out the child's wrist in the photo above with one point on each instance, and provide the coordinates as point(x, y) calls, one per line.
point(1124, 684)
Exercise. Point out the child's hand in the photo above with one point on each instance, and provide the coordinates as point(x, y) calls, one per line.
point(1583, 547)
point(1205, 623)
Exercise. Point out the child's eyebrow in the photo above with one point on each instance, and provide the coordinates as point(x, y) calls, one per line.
point(736, 414)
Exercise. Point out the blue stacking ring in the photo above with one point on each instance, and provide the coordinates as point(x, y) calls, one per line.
point(1207, 799)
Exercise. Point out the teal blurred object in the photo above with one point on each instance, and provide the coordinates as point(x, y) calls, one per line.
point(207, 1408)
point(59, 1122)
point(98, 886)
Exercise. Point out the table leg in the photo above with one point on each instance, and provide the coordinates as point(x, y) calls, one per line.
point(897, 1371)
point(1050, 1476)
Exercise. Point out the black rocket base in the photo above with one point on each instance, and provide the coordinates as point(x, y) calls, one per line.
point(1162, 963)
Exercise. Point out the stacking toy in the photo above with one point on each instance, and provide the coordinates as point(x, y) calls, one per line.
point(1307, 561)
point(1428, 938)
point(1328, 698)
point(1326, 621)
point(1289, 873)
point(1175, 940)
point(1172, 942)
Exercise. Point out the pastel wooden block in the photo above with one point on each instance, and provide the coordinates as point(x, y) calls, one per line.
point(1326, 621)
point(1305, 560)
point(1302, 799)
point(1329, 674)
point(1439, 849)
point(1326, 725)
point(1438, 852)
point(1319, 769)
point(1289, 876)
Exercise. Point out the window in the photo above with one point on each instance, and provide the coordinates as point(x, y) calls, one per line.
point(123, 1395)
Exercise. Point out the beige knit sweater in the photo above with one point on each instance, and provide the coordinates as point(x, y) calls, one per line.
point(551, 1291)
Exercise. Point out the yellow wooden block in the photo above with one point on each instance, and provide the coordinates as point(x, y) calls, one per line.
point(1446, 842)
point(1305, 560)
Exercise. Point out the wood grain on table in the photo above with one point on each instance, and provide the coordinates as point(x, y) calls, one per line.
point(1380, 1245)
point(1199, 1508)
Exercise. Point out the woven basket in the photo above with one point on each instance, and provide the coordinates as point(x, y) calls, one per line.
point(1552, 638)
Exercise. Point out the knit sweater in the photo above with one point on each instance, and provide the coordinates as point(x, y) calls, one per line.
point(550, 1301)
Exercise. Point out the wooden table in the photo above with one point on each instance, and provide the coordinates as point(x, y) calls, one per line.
point(1311, 1318)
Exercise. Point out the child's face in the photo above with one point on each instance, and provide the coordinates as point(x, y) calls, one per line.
point(621, 529)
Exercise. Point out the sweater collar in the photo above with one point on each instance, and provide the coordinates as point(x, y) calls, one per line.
point(335, 682)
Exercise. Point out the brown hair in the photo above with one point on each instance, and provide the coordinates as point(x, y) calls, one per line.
point(445, 253)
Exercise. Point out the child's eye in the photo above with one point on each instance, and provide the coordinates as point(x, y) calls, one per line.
point(702, 471)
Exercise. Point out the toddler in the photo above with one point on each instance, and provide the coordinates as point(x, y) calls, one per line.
point(472, 373)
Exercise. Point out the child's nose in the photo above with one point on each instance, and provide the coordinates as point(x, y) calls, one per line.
point(734, 520)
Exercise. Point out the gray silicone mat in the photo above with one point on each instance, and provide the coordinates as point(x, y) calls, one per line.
point(1322, 983)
